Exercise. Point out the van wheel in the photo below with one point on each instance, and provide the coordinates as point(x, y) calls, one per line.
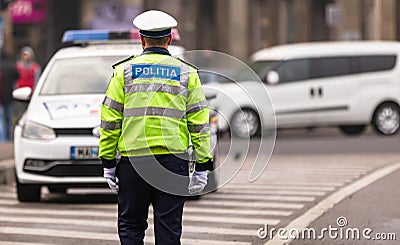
point(386, 119)
point(28, 192)
point(245, 123)
point(353, 129)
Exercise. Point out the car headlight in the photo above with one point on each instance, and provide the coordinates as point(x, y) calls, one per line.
point(36, 131)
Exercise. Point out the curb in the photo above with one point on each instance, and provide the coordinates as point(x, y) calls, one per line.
point(7, 172)
point(302, 222)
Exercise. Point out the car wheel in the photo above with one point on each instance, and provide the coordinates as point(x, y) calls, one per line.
point(57, 189)
point(353, 129)
point(245, 123)
point(28, 192)
point(386, 119)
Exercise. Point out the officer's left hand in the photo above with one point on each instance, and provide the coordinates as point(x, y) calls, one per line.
point(197, 182)
point(109, 174)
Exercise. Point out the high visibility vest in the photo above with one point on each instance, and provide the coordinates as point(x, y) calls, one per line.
point(154, 104)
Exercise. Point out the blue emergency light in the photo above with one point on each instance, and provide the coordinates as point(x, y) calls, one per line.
point(104, 36)
point(84, 36)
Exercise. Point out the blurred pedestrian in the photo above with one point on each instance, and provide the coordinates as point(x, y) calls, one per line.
point(28, 69)
point(8, 77)
point(29, 73)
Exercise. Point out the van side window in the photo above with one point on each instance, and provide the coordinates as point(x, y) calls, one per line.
point(294, 70)
point(331, 67)
point(374, 63)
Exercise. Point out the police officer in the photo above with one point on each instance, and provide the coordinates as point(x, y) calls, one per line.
point(154, 106)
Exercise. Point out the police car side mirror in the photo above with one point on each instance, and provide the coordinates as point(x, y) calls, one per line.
point(22, 94)
point(272, 77)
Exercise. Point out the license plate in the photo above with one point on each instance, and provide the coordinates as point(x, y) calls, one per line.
point(84, 152)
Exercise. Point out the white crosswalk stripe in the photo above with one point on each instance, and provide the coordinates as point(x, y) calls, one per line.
point(273, 192)
point(97, 236)
point(114, 213)
point(232, 215)
point(20, 243)
point(263, 197)
point(107, 224)
point(269, 187)
point(251, 204)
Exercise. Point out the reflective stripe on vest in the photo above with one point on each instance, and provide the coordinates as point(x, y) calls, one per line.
point(156, 87)
point(197, 106)
point(154, 111)
point(110, 125)
point(184, 75)
point(200, 128)
point(113, 104)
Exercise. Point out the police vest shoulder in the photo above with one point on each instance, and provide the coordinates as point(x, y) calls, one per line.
point(187, 63)
point(123, 61)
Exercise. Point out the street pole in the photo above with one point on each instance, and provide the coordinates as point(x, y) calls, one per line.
point(378, 19)
point(397, 13)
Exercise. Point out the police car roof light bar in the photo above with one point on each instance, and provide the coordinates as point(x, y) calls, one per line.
point(96, 36)
point(84, 36)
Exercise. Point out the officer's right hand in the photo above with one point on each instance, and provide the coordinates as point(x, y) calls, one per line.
point(109, 174)
point(197, 182)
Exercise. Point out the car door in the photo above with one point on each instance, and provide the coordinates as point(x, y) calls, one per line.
point(292, 96)
point(336, 88)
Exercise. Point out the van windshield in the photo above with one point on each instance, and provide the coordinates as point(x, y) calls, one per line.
point(261, 68)
point(81, 75)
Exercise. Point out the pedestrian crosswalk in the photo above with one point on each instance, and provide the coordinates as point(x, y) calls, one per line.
point(231, 215)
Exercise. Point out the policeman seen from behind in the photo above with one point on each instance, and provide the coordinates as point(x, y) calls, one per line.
point(154, 106)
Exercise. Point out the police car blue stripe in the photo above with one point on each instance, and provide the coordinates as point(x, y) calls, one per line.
point(149, 71)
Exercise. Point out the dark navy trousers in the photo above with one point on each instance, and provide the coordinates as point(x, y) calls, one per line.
point(135, 196)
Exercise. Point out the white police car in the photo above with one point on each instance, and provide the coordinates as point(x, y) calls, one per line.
point(56, 141)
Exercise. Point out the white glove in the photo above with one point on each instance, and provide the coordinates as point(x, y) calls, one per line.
point(197, 182)
point(109, 174)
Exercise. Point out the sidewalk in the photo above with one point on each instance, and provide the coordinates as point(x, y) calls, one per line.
point(6, 163)
point(375, 207)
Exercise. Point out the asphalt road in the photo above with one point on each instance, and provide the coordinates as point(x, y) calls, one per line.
point(306, 168)
point(325, 141)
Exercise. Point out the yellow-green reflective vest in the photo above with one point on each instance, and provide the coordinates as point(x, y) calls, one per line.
point(153, 102)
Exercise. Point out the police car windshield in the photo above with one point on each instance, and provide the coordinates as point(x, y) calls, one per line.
point(82, 75)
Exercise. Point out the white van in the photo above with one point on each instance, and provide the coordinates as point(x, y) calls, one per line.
point(344, 84)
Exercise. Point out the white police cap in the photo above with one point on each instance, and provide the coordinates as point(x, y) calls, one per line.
point(154, 24)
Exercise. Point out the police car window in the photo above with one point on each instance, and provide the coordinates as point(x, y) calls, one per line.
point(294, 70)
point(83, 75)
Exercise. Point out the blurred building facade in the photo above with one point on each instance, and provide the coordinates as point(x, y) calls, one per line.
point(236, 27)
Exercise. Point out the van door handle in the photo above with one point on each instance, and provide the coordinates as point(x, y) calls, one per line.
point(312, 92)
point(320, 92)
